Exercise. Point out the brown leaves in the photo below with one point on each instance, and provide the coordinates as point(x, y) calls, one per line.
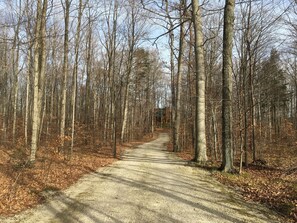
point(23, 187)
point(265, 186)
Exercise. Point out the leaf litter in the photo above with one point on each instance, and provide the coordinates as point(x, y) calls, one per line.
point(24, 186)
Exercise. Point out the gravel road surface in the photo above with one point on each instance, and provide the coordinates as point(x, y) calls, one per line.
point(148, 185)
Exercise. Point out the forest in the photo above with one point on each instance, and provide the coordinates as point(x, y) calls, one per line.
point(81, 80)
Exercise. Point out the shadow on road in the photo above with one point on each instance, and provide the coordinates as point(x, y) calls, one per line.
point(149, 185)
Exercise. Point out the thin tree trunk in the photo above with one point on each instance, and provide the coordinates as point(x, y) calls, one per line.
point(66, 8)
point(54, 74)
point(126, 104)
point(43, 112)
point(172, 71)
point(133, 38)
point(74, 79)
point(176, 142)
point(5, 95)
point(215, 131)
point(251, 85)
point(27, 94)
point(15, 58)
point(113, 89)
point(89, 74)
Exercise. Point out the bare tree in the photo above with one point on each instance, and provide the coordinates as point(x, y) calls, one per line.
point(227, 161)
point(29, 68)
point(4, 86)
point(75, 70)
point(200, 137)
point(135, 30)
point(172, 68)
point(177, 121)
point(15, 62)
point(39, 73)
point(66, 8)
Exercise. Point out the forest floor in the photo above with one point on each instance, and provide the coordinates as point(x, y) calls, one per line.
point(23, 186)
point(149, 184)
point(272, 182)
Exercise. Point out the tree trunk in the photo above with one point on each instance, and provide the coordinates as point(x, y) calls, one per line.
point(251, 58)
point(15, 62)
point(172, 72)
point(88, 95)
point(227, 162)
point(5, 93)
point(66, 9)
point(126, 104)
point(27, 94)
point(200, 145)
point(75, 71)
point(176, 142)
point(131, 43)
point(39, 72)
point(113, 89)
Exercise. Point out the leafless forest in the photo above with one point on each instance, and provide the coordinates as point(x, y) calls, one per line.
point(79, 76)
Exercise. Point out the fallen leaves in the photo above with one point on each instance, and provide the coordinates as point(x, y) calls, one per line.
point(265, 186)
point(23, 186)
point(274, 184)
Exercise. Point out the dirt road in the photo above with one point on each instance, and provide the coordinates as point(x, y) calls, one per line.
point(148, 185)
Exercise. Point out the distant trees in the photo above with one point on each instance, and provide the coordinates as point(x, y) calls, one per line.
point(135, 30)
point(275, 95)
point(291, 64)
point(85, 79)
point(91, 78)
point(241, 134)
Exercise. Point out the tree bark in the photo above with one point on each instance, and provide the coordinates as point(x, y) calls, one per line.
point(176, 142)
point(39, 73)
point(66, 8)
point(227, 162)
point(172, 71)
point(27, 94)
point(75, 71)
point(131, 44)
point(200, 145)
point(5, 90)
point(15, 62)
